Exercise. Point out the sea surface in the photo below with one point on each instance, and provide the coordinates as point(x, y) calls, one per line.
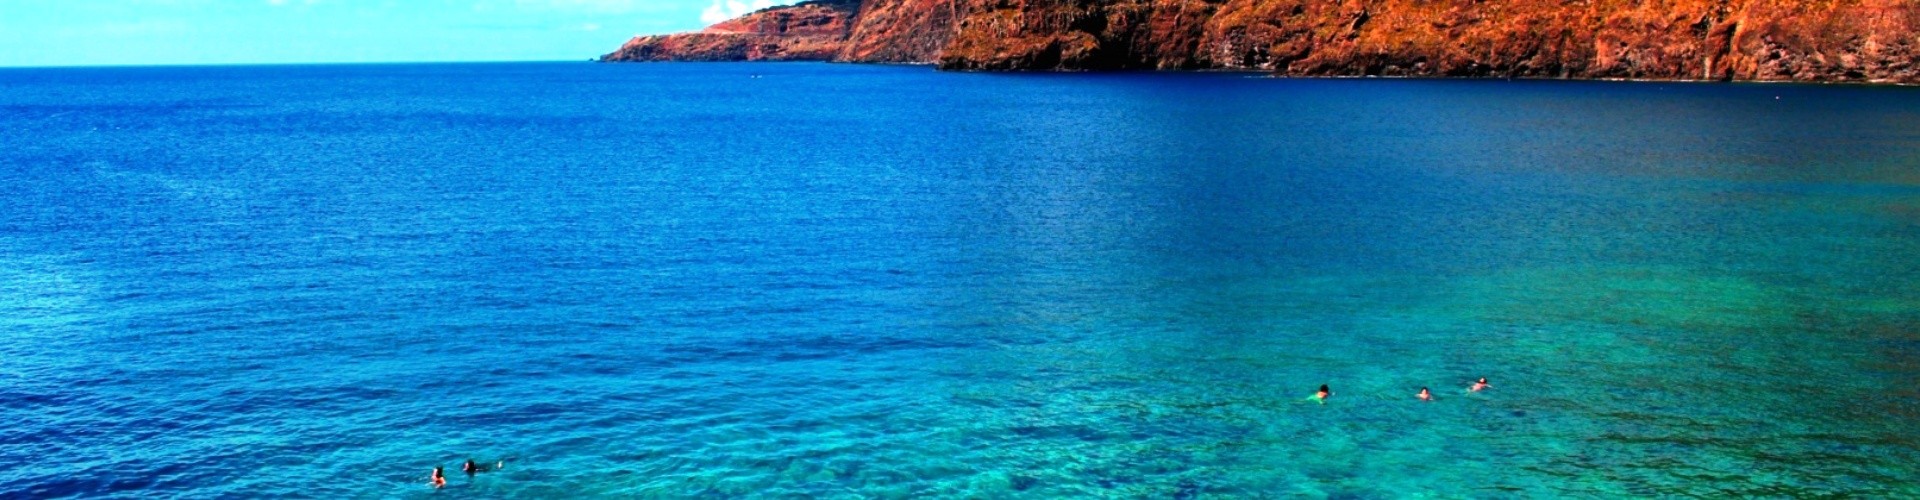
point(841, 281)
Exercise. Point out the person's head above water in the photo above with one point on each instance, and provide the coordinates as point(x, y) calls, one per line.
point(1321, 395)
point(472, 467)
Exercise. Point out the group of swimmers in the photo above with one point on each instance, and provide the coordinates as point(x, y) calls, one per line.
point(1424, 395)
point(439, 479)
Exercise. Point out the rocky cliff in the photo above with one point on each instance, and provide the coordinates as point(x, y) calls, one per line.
point(1802, 40)
point(809, 31)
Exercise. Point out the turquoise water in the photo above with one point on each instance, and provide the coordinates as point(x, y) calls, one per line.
point(857, 281)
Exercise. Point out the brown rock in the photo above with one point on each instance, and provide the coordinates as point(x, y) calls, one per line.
point(902, 31)
point(1800, 40)
point(808, 31)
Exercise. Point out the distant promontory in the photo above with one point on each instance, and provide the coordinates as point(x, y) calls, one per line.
point(1759, 40)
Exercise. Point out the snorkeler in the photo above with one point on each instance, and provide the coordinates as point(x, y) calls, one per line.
point(472, 468)
point(1322, 394)
point(438, 479)
point(1477, 386)
point(1425, 395)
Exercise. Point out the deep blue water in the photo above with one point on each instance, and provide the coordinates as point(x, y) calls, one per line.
point(828, 280)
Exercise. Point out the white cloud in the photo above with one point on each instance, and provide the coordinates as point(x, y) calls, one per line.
point(722, 10)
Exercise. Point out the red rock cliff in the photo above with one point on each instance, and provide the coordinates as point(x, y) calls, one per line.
point(809, 31)
point(1804, 40)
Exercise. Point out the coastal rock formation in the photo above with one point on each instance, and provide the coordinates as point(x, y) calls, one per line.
point(1798, 40)
point(902, 31)
point(810, 31)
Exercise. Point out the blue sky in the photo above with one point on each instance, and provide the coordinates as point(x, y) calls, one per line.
point(117, 32)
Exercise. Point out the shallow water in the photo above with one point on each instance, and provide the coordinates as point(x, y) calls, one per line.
point(839, 281)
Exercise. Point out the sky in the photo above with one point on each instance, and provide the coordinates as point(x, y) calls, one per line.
point(168, 32)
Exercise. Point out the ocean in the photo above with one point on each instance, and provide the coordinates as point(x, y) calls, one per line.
point(846, 281)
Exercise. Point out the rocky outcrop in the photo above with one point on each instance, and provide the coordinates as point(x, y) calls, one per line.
point(810, 31)
point(1798, 40)
point(902, 31)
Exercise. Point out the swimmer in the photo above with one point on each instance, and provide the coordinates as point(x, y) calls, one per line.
point(438, 479)
point(1425, 395)
point(472, 468)
point(1322, 394)
point(1477, 386)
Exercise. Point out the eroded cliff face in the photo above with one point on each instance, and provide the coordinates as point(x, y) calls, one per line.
point(810, 31)
point(879, 31)
point(1803, 40)
point(902, 31)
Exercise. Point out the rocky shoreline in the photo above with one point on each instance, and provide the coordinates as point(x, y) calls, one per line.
point(1864, 41)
